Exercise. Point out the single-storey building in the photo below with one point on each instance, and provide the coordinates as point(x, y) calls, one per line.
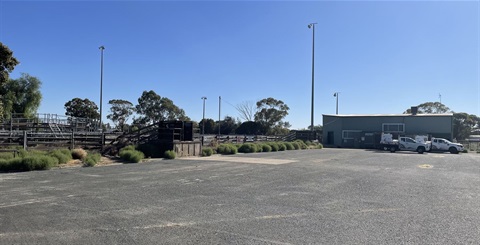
point(364, 131)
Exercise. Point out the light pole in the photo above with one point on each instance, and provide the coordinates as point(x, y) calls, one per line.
point(203, 120)
point(101, 84)
point(336, 95)
point(219, 107)
point(312, 26)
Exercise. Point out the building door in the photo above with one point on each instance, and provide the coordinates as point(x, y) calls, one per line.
point(330, 138)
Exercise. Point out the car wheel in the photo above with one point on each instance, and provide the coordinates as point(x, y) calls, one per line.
point(453, 150)
point(420, 150)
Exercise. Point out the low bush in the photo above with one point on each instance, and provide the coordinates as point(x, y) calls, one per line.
point(132, 156)
point(465, 151)
point(28, 163)
point(79, 153)
point(128, 148)
point(63, 155)
point(301, 144)
point(289, 146)
point(319, 146)
point(274, 146)
point(169, 154)
point(296, 146)
point(92, 159)
point(227, 149)
point(281, 146)
point(266, 148)
point(206, 152)
point(6, 155)
point(259, 147)
point(248, 148)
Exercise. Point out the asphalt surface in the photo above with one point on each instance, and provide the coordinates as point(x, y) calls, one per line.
point(329, 196)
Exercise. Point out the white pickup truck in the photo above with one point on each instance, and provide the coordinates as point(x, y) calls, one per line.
point(403, 143)
point(438, 144)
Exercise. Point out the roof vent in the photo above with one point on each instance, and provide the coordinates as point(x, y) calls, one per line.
point(414, 110)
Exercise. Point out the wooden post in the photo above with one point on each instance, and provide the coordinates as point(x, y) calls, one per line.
point(72, 141)
point(25, 140)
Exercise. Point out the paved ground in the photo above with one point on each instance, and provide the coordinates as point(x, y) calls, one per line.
point(329, 196)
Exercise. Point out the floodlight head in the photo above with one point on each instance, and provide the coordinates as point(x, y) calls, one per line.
point(309, 26)
point(102, 47)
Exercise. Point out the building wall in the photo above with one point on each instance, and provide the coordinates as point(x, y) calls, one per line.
point(369, 127)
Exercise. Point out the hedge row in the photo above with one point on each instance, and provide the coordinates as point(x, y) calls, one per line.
point(43, 160)
point(226, 149)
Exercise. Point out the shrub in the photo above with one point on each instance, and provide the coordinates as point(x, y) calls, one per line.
point(274, 146)
point(63, 155)
point(6, 155)
point(295, 145)
point(465, 151)
point(79, 153)
point(319, 146)
point(259, 147)
point(227, 149)
point(289, 146)
point(30, 163)
point(132, 156)
point(281, 146)
point(169, 154)
point(128, 148)
point(301, 144)
point(266, 148)
point(248, 148)
point(206, 152)
point(92, 159)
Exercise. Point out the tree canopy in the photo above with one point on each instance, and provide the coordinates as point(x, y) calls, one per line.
point(21, 96)
point(152, 108)
point(271, 112)
point(463, 123)
point(82, 108)
point(120, 111)
point(7, 64)
point(430, 108)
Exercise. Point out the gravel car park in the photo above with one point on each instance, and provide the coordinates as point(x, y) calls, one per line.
point(328, 196)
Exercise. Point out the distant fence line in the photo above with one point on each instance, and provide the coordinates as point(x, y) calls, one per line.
point(26, 139)
point(471, 145)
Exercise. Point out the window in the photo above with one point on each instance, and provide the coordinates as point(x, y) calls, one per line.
point(351, 134)
point(393, 127)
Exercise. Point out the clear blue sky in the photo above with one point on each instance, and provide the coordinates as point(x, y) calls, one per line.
point(382, 56)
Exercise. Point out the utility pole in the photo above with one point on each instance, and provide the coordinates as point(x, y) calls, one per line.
point(219, 110)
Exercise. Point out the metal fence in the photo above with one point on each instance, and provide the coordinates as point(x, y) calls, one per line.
point(471, 145)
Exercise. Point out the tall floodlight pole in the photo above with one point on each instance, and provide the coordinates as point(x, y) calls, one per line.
point(203, 120)
point(336, 95)
point(219, 107)
point(101, 84)
point(312, 26)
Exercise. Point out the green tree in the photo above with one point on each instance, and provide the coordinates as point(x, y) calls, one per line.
point(7, 64)
point(430, 108)
point(228, 125)
point(271, 112)
point(152, 108)
point(120, 110)
point(82, 108)
point(251, 128)
point(210, 125)
point(464, 124)
point(21, 95)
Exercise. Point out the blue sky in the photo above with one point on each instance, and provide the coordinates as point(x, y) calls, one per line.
point(382, 56)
